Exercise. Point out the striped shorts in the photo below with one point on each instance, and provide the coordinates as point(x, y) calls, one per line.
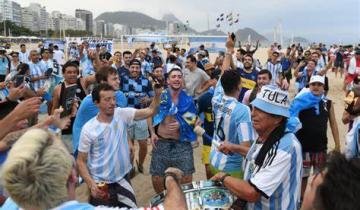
point(122, 195)
point(313, 159)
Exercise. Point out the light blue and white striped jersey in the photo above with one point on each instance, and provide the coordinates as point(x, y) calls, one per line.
point(107, 146)
point(233, 124)
point(279, 178)
point(275, 70)
point(24, 57)
point(145, 68)
point(36, 70)
point(86, 66)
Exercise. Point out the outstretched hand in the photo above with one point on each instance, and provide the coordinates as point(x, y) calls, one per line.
point(230, 43)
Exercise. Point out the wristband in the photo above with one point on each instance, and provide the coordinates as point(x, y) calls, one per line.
point(173, 175)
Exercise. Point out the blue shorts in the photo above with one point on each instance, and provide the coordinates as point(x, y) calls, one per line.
point(138, 130)
point(171, 153)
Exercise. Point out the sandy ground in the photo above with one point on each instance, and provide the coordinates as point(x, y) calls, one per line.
point(142, 182)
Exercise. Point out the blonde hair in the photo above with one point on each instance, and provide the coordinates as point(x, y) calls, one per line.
point(36, 171)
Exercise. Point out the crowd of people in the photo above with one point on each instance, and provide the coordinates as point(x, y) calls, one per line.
point(74, 119)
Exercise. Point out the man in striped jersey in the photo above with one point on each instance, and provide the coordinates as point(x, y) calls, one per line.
point(233, 128)
point(274, 162)
point(274, 66)
point(104, 154)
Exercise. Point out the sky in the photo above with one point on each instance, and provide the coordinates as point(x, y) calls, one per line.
point(317, 20)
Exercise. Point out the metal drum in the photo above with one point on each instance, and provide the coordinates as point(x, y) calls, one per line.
point(207, 195)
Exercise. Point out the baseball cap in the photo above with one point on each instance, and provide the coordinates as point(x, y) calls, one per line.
point(272, 100)
point(135, 62)
point(317, 78)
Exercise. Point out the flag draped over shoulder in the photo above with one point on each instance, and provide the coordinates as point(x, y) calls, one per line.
point(304, 100)
point(184, 112)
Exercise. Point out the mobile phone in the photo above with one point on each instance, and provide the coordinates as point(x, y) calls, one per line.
point(19, 80)
point(68, 99)
point(158, 84)
point(49, 71)
point(233, 36)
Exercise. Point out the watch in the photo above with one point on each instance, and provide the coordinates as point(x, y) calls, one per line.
point(222, 179)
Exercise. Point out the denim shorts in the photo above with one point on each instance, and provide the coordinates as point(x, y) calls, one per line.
point(138, 130)
point(171, 153)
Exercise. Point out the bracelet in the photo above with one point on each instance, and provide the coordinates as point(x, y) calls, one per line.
point(173, 175)
point(223, 177)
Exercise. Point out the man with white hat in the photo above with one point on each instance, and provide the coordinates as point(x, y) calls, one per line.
point(313, 134)
point(273, 164)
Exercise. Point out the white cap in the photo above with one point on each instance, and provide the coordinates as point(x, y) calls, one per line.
point(317, 78)
point(272, 100)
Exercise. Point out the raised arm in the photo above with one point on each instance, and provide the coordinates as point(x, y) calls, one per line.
point(322, 72)
point(152, 109)
point(298, 74)
point(230, 44)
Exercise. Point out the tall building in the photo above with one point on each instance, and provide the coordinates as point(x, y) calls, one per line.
point(16, 13)
point(109, 29)
point(27, 19)
point(10, 10)
point(100, 28)
point(87, 17)
point(39, 13)
point(67, 22)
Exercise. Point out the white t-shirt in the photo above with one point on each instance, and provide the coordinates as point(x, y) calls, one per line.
point(193, 80)
point(107, 146)
point(59, 56)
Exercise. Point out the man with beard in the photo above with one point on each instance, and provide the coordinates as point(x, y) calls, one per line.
point(263, 78)
point(172, 132)
point(104, 155)
point(124, 70)
point(248, 76)
point(139, 94)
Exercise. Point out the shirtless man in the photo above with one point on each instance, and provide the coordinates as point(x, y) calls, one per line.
point(172, 132)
